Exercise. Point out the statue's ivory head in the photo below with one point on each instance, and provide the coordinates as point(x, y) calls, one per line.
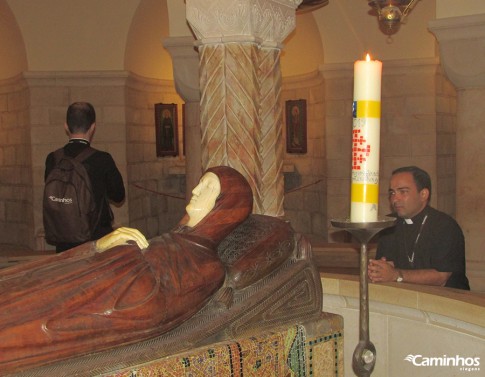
point(203, 199)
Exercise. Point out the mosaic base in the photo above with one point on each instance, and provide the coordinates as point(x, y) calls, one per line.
point(288, 353)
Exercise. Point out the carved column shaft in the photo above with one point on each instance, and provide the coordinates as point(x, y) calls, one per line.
point(241, 117)
point(270, 138)
point(229, 110)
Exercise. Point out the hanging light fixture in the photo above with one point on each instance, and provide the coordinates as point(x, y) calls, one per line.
point(392, 13)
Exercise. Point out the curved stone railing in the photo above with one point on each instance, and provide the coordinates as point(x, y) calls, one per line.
point(417, 330)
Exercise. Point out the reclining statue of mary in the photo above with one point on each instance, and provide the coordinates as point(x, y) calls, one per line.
point(180, 288)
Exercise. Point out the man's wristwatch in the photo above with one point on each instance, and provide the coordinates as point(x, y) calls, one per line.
point(400, 278)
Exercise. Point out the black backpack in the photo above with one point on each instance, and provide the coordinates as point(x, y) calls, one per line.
point(69, 207)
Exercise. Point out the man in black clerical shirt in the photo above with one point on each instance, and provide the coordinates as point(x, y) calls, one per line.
point(426, 246)
point(106, 180)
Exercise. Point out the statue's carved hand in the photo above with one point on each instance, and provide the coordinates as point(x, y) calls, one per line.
point(121, 236)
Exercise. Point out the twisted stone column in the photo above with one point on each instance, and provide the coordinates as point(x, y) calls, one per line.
point(270, 138)
point(239, 44)
point(229, 113)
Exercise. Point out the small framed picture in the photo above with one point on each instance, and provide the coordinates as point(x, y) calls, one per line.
point(296, 128)
point(166, 129)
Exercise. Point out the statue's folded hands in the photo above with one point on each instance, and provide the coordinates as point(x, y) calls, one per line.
point(121, 236)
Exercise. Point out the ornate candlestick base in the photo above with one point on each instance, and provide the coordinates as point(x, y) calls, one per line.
point(364, 357)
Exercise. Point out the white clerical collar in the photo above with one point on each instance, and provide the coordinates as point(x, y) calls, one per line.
point(79, 140)
point(408, 221)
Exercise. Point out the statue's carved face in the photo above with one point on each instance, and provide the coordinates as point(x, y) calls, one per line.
point(203, 199)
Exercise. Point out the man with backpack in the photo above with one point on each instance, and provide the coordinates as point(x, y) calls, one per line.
point(80, 181)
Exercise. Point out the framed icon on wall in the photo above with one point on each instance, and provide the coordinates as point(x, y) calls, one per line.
point(166, 129)
point(296, 127)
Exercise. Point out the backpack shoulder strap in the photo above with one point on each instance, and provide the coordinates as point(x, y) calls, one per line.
point(58, 154)
point(86, 153)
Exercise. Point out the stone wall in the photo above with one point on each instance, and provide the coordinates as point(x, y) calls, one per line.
point(16, 216)
point(305, 203)
point(338, 123)
point(446, 123)
point(150, 212)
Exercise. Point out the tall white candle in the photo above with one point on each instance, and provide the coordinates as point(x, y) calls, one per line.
point(366, 112)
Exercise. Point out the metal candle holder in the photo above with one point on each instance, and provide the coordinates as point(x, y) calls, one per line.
point(364, 357)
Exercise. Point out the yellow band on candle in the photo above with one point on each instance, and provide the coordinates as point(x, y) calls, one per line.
point(368, 109)
point(364, 193)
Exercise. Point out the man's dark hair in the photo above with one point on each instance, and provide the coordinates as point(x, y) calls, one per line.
point(421, 178)
point(80, 116)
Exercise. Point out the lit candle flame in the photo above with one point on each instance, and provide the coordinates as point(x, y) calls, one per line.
point(367, 58)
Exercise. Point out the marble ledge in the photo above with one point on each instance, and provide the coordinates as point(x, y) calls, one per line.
point(462, 305)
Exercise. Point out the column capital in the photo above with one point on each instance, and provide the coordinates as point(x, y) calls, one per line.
point(267, 22)
point(185, 67)
point(461, 40)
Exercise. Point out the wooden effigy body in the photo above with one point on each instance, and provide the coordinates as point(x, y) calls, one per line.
point(270, 283)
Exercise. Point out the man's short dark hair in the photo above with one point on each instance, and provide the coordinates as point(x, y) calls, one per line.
point(80, 116)
point(421, 177)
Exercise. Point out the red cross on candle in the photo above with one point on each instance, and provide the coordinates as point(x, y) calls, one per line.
point(358, 152)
